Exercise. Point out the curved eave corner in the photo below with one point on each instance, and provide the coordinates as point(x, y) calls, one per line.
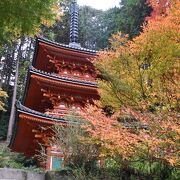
point(63, 79)
point(22, 109)
point(67, 47)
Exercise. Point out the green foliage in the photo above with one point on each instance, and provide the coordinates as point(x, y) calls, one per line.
point(91, 27)
point(3, 125)
point(117, 169)
point(15, 160)
point(3, 96)
point(19, 17)
point(79, 154)
point(154, 169)
point(82, 174)
point(23, 67)
point(128, 18)
point(60, 30)
point(132, 16)
point(97, 26)
point(144, 72)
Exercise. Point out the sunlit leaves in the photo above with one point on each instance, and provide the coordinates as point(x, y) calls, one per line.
point(140, 79)
point(144, 72)
point(19, 17)
point(3, 96)
point(155, 139)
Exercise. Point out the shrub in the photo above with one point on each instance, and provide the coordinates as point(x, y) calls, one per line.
point(15, 160)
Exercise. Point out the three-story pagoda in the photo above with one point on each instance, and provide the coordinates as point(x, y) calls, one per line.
point(61, 79)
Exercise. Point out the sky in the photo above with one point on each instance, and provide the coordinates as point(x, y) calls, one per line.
point(99, 4)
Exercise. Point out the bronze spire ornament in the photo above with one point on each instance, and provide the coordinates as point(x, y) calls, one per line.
point(74, 25)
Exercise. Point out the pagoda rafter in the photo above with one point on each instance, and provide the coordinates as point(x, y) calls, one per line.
point(47, 50)
point(71, 79)
point(74, 69)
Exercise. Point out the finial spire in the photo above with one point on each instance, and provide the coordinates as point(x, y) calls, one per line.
point(74, 25)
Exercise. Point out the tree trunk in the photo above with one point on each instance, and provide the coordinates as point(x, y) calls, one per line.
point(12, 115)
point(1, 72)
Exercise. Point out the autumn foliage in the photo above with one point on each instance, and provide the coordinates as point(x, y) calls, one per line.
point(155, 138)
point(3, 96)
point(160, 8)
point(112, 137)
point(139, 79)
point(143, 73)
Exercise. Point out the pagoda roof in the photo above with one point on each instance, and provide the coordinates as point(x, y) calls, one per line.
point(59, 45)
point(37, 79)
point(26, 110)
point(62, 78)
point(45, 48)
point(23, 139)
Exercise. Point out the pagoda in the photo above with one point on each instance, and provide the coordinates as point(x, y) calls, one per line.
point(61, 79)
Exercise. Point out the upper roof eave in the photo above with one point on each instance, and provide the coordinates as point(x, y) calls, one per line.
point(61, 46)
point(51, 119)
point(26, 110)
point(64, 79)
point(64, 46)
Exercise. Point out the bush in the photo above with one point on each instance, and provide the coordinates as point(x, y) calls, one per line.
point(3, 125)
point(15, 160)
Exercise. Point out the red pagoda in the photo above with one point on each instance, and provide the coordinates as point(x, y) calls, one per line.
point(61, 79)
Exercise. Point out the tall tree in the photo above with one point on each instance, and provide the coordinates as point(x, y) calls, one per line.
point(97, 26)
point(128, 18)
point(140, 79)
point(159, 8)
point(144, 72)
point(91, 27)
point(21, 51)
point(20, 18)
point(3, 95)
